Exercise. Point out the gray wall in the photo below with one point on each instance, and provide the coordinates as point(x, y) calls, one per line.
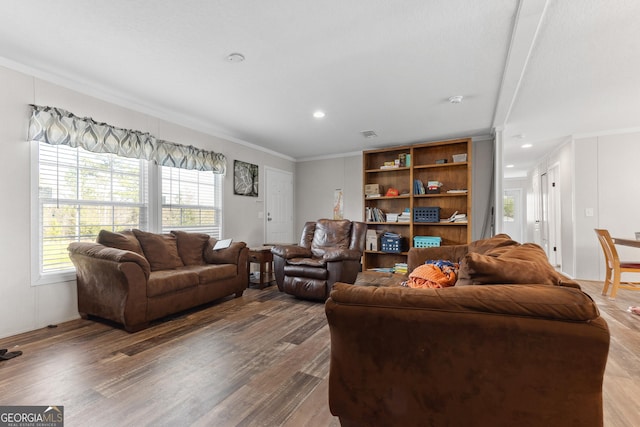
point(25, 307)
point(607, 180)
point(316, 181)
point(599, 178)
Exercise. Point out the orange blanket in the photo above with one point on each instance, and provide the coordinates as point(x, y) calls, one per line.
point(434, 274)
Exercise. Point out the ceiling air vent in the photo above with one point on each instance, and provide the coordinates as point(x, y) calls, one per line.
point(369, 134)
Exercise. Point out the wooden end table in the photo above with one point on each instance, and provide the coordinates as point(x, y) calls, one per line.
point(261, 255)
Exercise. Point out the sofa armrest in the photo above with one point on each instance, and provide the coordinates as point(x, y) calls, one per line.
point(291, 251)
point(230, 255)
point(98, 251)
point(111, 283)
point(339, 254)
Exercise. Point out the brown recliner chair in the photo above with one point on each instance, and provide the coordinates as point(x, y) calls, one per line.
point(329, 252)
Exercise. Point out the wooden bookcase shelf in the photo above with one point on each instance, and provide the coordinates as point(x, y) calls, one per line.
point(425, 164)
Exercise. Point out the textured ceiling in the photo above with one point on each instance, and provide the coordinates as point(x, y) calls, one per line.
point(543, 69)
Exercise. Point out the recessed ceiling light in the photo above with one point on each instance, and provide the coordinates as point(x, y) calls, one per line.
point(235, 57)
point(527, 145)
point(319, 114)
point(509, 166)
point(457, 99)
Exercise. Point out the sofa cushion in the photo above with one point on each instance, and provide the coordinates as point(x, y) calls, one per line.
point(161, 250)
point(191, 246)
point(330, 234)
point(166, 281)
point(211, 273)
point(519, 264)
point(124, 240)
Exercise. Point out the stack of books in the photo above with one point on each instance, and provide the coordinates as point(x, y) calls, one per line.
point(405, 216)
point(375, 215)
point(400, 268)
point(390, 165)
point(456, 217)
point(392, 217)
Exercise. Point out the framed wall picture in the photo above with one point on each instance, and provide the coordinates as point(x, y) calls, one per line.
point(245, 178)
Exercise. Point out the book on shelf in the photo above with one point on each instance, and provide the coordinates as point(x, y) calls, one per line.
point(375, 215)
point(382, 269)
point(418, 187)
point(456, 217)
point(401, 268)
point(405, 159)
point(371, 196)
point(461, 191)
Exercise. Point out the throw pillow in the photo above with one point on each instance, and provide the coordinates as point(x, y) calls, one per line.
point(124, 240)
point(191, 246)
point(498, 241)
point(161, 250)
point(522, 264)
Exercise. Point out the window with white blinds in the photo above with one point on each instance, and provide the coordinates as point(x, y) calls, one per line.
point(191, 201)
point(80, 193)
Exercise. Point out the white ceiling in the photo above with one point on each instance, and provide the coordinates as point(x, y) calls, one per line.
point(542, 69)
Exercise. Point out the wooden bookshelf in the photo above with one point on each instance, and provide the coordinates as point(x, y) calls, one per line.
point(425, 165)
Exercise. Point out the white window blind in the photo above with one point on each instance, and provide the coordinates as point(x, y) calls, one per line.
point(191, 201)
point(81, 193)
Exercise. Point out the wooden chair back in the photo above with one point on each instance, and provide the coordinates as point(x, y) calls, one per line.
point(608, 247)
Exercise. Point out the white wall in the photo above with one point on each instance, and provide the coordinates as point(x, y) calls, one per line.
point(599, 179)
point(25, 307)
point(316, 182)
point(608, 181)
point(586, 197)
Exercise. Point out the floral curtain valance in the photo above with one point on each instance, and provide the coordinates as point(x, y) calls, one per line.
point(59, 127)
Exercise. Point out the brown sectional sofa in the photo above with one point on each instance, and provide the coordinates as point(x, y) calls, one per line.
point(500, 354)
point(133, 277)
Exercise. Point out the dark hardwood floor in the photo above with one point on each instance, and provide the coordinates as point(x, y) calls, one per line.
point(259, 360)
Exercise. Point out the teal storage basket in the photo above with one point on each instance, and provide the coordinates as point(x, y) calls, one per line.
point(426, 241)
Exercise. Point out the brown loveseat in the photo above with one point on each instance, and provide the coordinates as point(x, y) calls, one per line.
point(524, 354)
point(134, 277)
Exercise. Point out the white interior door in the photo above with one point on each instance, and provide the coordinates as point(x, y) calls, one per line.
point(279, 206)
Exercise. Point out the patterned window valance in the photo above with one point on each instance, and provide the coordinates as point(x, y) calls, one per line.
point(59, 127)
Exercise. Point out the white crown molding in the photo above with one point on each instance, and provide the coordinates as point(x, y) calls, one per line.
point(606, 132)
point(134, 104)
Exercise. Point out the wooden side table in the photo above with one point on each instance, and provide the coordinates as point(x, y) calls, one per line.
point(263, 256)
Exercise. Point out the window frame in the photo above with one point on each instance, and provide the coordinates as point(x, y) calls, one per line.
point(153, 181)
point(214, 230)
